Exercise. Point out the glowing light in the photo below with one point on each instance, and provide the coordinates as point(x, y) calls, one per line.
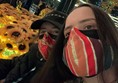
point(59, 0)
point(76, 5)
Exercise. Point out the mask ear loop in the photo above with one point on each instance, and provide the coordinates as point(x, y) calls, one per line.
point(65, 41)
point(107, 51)
point(108, 56)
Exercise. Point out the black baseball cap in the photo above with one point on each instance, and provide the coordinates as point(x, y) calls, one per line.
point(55, 17)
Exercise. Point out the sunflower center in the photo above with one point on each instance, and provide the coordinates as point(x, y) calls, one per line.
point(16, 34)
point(9, 45)
point(21, 47)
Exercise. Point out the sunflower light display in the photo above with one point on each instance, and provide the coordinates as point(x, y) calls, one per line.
point(15, 33)
point(109, 5)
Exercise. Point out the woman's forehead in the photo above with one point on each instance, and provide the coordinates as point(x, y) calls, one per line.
point(48, 25)
point(79, 14)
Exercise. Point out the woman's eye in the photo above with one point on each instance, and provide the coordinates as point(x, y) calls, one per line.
point(67, 35)
point(89, 27)
point(41, 36)
point(55, 32)
point(42, 32)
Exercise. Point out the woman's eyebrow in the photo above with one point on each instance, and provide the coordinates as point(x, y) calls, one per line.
point(85, 20)
point(55, 28)
point(68, 27)
point(42, 28)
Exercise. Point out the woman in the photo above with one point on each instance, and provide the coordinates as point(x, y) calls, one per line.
point(21, 69)
point(86, 51)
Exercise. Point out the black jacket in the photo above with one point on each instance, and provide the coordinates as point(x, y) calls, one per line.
point(25, 66)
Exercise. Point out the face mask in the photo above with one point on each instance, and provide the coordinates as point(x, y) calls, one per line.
point(89, 33)
point(84, 54)
point(45, 44)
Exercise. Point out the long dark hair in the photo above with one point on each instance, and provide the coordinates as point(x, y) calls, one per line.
point(107, 32)
point(54, 64)
point(106, 29)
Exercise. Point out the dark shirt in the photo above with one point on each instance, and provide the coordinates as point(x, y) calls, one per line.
point(22, 67)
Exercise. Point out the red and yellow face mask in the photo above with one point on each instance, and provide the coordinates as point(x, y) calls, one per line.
point(45, 45)
point(84, 55)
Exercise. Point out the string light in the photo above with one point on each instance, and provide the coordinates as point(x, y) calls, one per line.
point(59, 0)
point(76, 5)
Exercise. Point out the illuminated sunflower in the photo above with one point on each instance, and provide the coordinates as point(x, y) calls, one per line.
point(2, 45)
point(32, 34)
point(2, 31)
point(22, 17)
point(9, 6)
point(7, 54)
point(10, 18)
point(24, 28)
point(34, 18)
point(12, 49)
point(10, 26)
point(14, 14)
point(3, 20)
point(23, 47)
point(44, 12)
point(16, 34)
point(15, 22)
point(1, 13)
point(3, 8)
point(7, 20)
point(2, 25)
point(28, 38)
point(8, 50)
point(27, 35)
point(7, 11)
point(9, 44)
point(27, 23)
point(25, 12)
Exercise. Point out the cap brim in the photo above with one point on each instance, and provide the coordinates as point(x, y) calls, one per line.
point(37, 24)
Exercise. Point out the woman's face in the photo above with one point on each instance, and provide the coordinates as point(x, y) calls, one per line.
point(83, 18)
point(50, 28)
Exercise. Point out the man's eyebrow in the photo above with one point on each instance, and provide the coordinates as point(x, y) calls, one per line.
point(85, 20)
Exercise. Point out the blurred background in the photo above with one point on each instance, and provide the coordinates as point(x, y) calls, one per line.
point(16, 16)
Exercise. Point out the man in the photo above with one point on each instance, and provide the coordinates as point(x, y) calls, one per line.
point(24, 67)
